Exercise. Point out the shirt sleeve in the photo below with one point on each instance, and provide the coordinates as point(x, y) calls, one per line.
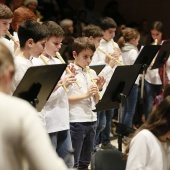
point(132, 56)
point(56, 94)
point(106, 70)
point(96, 60)
point(138, 154)
point(19, 73)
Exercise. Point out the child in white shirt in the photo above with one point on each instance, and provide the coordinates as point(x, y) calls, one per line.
point(56, 109)
point(108, 27)
point(32, 36)
point(5, 20)
point(81, 104)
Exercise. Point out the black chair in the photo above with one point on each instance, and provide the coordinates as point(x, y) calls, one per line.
point(111, 159)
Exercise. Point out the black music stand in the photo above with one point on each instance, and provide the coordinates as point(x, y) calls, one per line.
point(97, 68)
point(38, 83)
point(162, 56)
point(145, 58)
point(118, 89)
point(147, 54)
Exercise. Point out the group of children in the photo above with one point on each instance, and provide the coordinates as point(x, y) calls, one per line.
point(74, 129)
point(67, 116)
point(24, 142)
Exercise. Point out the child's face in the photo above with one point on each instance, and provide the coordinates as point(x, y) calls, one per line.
point(165, 137)
point(4, 26)
point(96, 41)
point(70, 28)
point(109, 34)
point(53, 45)
point(84, 58)
point(135, 41)
point(37, 48)
point(156, 35)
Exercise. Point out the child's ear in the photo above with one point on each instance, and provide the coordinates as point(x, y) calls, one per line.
point(74, 54)
point(8, 74)
point(132, 41)
point(30, 42)
point(91, 38)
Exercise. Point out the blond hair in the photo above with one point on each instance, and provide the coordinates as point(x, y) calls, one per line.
point(6, 58)
point(65, 22)
point(5, 12)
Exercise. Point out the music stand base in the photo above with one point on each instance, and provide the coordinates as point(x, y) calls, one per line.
point(120, 137)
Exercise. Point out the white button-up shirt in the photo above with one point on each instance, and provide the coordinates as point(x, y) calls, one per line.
point(82, 111)
point(56, 109)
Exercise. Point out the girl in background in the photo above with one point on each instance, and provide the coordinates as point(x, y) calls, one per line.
point(153, 139)
point(153, 81)
point(128, 45)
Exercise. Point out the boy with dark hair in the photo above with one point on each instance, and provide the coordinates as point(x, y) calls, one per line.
point(81, 103)
point(95, 34)
point(56, 109)
point(32, 37)
point(107, 23)
point(31, 30)
point(107, 45)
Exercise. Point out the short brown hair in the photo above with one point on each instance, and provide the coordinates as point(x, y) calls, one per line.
point(83, 43)
point(5, 12)
point(92, 30)
point(107, 23)
point(54, 29)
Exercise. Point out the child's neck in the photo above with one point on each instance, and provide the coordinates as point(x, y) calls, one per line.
point(131, 43)
point(78, 65)
point(106, 39)
point(24, 54)
point(46, 55)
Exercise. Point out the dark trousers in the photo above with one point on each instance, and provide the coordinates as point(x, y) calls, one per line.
point(104, 126)
point(151, 90)
point(82, 136)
